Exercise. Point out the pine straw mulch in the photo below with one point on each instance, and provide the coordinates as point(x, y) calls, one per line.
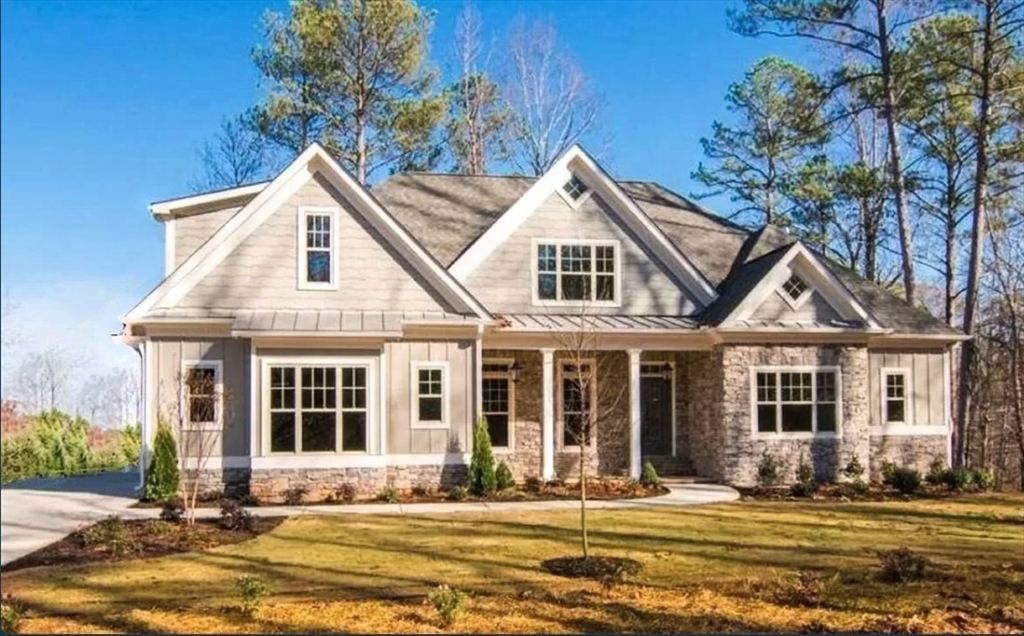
point(832, 493)
point(114, 539)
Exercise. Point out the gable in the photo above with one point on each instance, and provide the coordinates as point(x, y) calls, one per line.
point(814, 309)
point(504, 281)
point(263, 272)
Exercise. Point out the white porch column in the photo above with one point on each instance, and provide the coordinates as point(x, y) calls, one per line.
point(548, 422)
point(634, 413)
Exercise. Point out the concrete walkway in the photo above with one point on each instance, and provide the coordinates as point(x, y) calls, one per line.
point(680, 494)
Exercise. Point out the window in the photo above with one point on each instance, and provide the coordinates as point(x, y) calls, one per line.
point(578, 386)
point(202, 392)
point(305, 411)
point(895, 402)
point(794, 287)
point(497, 402)
point(796, 401)
point(317, 248)
point(575, 188)
point(429, 395)
point(576, 272)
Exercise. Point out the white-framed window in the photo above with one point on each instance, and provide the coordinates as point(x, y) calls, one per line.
point(795, 401)
point(430, 394)
point(317, 408)
point(795, 291)
point(575, 188)
point(499, 402)
point(202, 393)
point(577, 272)
point(895, 397)
point(577, 400)
point(318, 248)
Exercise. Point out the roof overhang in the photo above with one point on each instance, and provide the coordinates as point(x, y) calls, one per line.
point(219, 198)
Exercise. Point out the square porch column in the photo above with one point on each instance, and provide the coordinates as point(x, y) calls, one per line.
point(634, 413)
point(548, 420)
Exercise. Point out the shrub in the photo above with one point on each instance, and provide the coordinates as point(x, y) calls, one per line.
point(936, 472)
point(503, 477)
point(11, 614)
point(482, 479)
point(959, 479)
point(173, 510)
point(533, 484)
point(388, 494)
point(345, 492)
point(234, 517)
point(294, 495)
point(888, 469)
point(111, 533)
point(648, 476)
point(807, 589)
point(767, 470)
point(805, 485)
point(458, 493)
point(902, 565)
point(906, 480)
point(449, 603)
point(162, 479)
point(420, 491)
point(251, 588)
point(984, 479)
point(854, 471)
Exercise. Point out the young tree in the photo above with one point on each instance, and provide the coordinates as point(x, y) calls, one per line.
point(760, 163)
point(482, 479)
point(237, 155)
point(353, 75)
point(550, 98)
point(163, 477)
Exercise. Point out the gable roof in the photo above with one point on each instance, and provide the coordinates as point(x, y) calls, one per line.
point(269, 199)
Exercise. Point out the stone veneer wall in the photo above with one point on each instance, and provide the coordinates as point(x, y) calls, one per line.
point(911, 451)
point(233, 482)
point(317, 484)
point(700, 388)
point(742, 451)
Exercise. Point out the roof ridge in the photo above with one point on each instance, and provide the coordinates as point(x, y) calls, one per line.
point(434, 173)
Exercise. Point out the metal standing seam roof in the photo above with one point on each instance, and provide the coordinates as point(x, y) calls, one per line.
point(325, 322)
point(559, 322)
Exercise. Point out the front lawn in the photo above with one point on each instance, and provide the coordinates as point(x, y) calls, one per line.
point(730, 567)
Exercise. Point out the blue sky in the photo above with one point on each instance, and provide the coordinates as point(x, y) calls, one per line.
point(103, 106)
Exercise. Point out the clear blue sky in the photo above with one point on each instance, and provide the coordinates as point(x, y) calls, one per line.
point(103, 106)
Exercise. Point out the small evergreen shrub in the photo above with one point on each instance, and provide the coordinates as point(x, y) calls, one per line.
point(163, 478)
point(345, 492)
point(805, 485)
point(388, 494)
point(458, 493)
point(807, 589)
point(902, 565)
point(420, 491)
point(11, 614)
point(984, 479)
point(854, 470)
point(234, 517)
point(482, 479)
point(295, 495)
point(533, 484)
point(173, 510)
point(503, 477)
point(111, 533)
point(959, 479)
point(251, 589)
point(936, 472)
point(906, 480)
point(449, 603)
point(649, 476)
point(767, 470)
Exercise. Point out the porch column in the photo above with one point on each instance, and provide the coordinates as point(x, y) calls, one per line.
point(548, 422)
point(634, 413)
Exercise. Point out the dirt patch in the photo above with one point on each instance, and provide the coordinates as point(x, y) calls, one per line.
point(110, 540)
point(600, 568)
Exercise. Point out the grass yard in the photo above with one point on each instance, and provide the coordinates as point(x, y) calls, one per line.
point(731, 567)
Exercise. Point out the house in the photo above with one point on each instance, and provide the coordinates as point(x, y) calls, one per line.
point(354, 335)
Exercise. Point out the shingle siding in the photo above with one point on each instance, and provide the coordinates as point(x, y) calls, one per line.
point(190, 232)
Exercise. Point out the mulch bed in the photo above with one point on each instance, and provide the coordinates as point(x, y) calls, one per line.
point(831, 493)
point(136, 539)
point(601, 568)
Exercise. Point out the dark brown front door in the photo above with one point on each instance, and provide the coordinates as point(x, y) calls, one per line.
point(655, 414)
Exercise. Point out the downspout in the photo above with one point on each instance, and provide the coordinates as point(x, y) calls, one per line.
point(144, 423)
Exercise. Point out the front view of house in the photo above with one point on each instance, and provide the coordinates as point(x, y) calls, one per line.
point(321, 333)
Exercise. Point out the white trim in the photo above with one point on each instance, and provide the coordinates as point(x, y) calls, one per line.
point(385, 395)
point(414, 395)
point(548, 418)
point(558, 243)
point(585, 167)
point(301, 248)
point(796, 304)
point(947, 404)
point(635, 456)
point(883, 394)
point(902, 430)
point(170, 240)
point(215, 462)
point(169, 206)
point(575, 204)
point(255, 439)
point(812, 434)
point(152, 406)
point(507, 376)
point(560, 404)
point(357, 461)
point(218, 390)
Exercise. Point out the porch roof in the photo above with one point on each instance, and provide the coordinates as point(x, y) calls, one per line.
point(596, 322)
point(320, 322)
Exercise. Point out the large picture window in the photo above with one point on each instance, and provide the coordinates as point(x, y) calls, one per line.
point(796, 401)
point(306, 414)
point(317, 248)
point(577, 272)
point(497, 402)
point(577, 399)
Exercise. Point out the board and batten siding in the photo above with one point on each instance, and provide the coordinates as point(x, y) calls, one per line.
point(233, 354)
point(457, 438)
point(927, 384)
point(814, 309)
point(504, 281)
point(190, 232)
point(261, 273)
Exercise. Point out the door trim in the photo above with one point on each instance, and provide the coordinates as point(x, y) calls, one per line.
point(672, 391)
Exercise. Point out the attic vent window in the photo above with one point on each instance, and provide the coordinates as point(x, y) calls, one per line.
point(575, 188)
point(794, 287)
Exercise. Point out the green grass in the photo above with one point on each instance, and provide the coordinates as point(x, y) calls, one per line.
point(713, 568)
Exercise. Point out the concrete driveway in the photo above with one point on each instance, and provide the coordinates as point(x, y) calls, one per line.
point(37, 512)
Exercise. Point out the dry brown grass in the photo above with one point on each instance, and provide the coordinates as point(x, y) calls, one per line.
point(725, 568)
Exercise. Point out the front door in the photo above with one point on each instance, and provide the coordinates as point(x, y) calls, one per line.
point(655, 409)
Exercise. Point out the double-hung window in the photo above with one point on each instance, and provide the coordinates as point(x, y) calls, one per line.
point(317, 248)
point(577, 401)
point(577, 272)
point(497, 402)
point(202, 393)
point(794, 400)
point(894, 404)
point(318, 408)
point(430, 395)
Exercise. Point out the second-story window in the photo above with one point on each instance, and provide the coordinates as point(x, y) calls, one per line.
point(317, 249)
point(576, 272)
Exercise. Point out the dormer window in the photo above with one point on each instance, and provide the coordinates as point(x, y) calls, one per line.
point(317, 248)
point(794, 287)
point(575, 188)
point(576, 272)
